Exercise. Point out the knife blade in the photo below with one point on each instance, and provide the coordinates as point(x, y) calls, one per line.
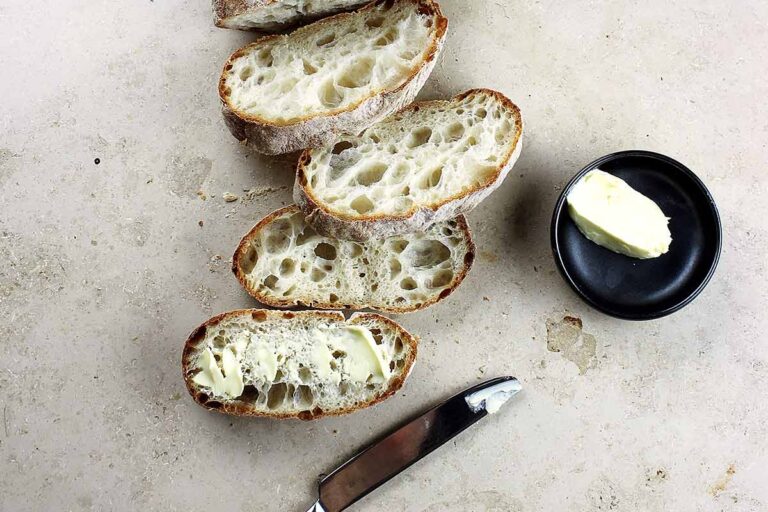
point(399, 449)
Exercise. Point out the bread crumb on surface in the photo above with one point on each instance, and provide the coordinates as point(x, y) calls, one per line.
point(255, 192)
point(229, 197)
point(201, 195)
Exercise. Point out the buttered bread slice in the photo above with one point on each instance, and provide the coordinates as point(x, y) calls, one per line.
point(305, 365)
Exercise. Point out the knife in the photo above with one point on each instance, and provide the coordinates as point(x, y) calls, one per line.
point(402, 447)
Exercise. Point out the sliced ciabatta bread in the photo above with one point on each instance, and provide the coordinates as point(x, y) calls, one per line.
point(283, 262)
point(307, 364)
point(425, 164)
point(338, 75)
point(275, 15)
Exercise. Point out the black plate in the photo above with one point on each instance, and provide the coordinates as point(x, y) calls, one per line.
point(636, 289)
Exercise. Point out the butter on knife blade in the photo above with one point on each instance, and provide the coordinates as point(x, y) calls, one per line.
point(492, 398)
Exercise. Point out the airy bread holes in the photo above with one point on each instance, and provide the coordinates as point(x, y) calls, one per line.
point(398, 245)
point(431, 179)
point(441, 279)
point(371, 174)
point(408, 284)
point(375, 22)
point(250, 394)
point(332, 298)
point(305, 235)
point(329, 95)
point(248, 261)
point(419, 137)
point(357, 75)
point(378, 338)
point(309, 68)
point(264, 57)
point(355, 250)
point(454, 132)
point(305, 375)
point(387, 38)
point(287, 267)
point(325, 251)
point(246, 73)
point(316, 275)
point(342, 146)
point(427, 253)
point(481, 113)
point(326, 39)
point(361, 205)
point(303, 398)
point(277, 242)
point(271, 281)
point(395, 267)
point(399, 346)
point(276, 395)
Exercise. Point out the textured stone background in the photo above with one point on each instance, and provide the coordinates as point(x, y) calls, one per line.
point(105, 269)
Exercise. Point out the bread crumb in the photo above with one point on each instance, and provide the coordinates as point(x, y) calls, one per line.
point(486, 299)
point(201, 195)
point(230, 197)
point(255, 192)
point(200, 223)
point(214, 262)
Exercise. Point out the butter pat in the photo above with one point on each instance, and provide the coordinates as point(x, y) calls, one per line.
point(362, 358)
point(265, 362)
point(614, 215)
point(226, 381)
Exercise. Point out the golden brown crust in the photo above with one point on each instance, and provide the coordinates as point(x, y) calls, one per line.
point(283, 136)
point(359, 228)
point(242, 249)
point(237, 407)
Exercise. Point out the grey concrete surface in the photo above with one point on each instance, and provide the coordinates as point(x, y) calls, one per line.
point(105, 269)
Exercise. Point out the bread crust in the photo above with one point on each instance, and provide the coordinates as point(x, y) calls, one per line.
point(316, 130)
point(417, 218)
point(240, 275)
point(223, 10)
point(237, 407)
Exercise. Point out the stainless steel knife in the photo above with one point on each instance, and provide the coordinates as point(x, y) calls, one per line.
point(415, 439)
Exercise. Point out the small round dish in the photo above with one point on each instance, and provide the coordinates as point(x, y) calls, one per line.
point(635, 289)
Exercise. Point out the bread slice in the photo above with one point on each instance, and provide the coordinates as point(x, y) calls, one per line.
point(338, 75)
point(308, 364)
point(283, 262)
point(275, 15)
point(428, 163)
